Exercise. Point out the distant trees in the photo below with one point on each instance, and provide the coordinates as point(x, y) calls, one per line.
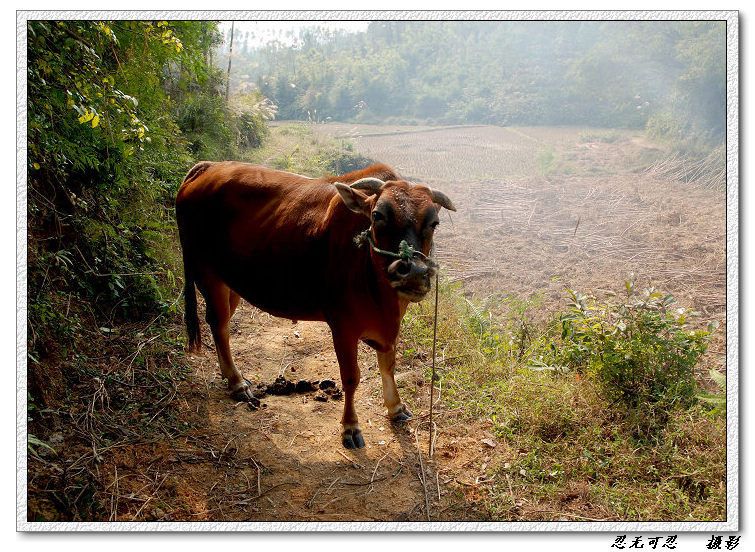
point(667, 75)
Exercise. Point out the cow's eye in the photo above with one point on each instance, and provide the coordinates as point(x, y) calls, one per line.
point(434, 225)
point(377, 216)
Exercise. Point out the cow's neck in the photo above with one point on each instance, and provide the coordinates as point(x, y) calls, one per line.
point(363, 274)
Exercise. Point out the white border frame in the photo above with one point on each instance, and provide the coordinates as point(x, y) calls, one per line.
point(732, 276)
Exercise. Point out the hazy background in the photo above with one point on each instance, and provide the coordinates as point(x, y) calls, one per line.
point(664, 76)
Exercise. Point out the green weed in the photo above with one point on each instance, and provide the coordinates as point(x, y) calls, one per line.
point(294, 147)
point(639, 350)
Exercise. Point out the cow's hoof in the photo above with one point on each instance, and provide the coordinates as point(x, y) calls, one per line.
point(243, 394)
point(352, 438)
point(402, 415)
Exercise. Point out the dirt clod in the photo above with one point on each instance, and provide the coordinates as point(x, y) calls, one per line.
point(322, 397)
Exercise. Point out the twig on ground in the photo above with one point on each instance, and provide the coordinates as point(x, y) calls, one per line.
point(353, 462)
point(376, 467)
point(422, 473)
point(222, 452)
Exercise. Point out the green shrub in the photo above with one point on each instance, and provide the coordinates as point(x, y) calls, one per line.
point(545, 159)
point(639, 350)
point(117, 111)
point(336, 161)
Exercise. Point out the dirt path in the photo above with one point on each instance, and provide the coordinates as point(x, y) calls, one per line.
point(285, 461)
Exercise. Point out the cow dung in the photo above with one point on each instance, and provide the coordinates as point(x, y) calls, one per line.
point(335, 394)
point(283, 386)
point(303, 386)
point(327, 384)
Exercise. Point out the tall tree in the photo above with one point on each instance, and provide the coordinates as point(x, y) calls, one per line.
point(230, 57)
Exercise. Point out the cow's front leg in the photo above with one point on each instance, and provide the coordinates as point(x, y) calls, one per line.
point(387, 364)
point(346, 352)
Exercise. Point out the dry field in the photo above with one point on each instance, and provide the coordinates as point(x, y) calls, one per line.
point(541, 209)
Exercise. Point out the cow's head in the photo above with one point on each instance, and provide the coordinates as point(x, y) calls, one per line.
point(403, 218)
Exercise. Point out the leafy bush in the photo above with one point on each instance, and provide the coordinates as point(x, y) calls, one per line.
point(556, 435)
point(639, 350)
point(117, 111)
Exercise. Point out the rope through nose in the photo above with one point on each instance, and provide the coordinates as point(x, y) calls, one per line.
point(406, 251)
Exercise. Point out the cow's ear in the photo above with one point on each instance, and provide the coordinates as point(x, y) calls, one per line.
point(354, 199)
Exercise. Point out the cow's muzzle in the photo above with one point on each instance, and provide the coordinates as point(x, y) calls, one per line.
point(411, 278)
point(410, 273)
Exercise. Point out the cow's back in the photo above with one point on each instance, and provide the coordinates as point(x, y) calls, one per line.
point(263, 232)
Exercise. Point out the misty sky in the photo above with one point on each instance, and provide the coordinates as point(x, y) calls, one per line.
point(268, 30)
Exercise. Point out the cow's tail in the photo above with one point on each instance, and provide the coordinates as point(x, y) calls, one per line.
point(190, 309)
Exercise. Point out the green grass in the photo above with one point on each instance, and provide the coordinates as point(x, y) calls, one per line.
point(294, 147)
point(605, 137)
point(555, 428)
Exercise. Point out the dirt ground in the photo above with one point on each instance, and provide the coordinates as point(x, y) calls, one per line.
point(285, 461)
point(584, 217)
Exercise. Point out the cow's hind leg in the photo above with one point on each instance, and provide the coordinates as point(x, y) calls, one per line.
point(346, 352)
point(387, 364)
point(221, 302)
point(233, 300)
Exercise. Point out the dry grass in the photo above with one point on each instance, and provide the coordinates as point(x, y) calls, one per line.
point(587, 217)
point(707, 171)
point(123, 397)
point(460, 153)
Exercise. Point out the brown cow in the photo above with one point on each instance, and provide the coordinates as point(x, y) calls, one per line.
point(286, 243)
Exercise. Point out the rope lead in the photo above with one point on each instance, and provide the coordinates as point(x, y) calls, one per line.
point(432, 376)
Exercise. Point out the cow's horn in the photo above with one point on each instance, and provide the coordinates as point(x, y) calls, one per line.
point(442, 199)
point(370, 184)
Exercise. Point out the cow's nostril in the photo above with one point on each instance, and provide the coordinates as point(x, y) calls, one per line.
point(403, 269)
